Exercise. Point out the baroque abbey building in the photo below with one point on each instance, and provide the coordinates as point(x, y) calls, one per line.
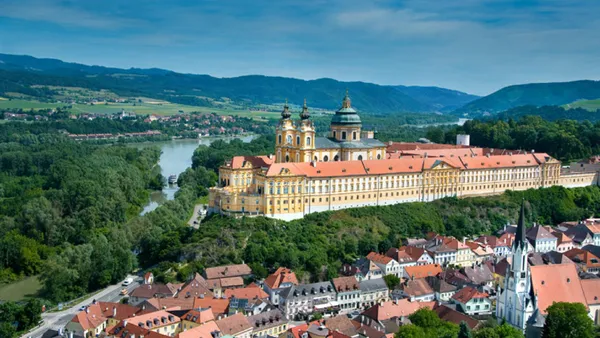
point(350, 168)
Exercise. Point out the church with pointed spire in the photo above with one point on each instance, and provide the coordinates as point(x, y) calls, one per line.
point(515, 303)
point(296, 141)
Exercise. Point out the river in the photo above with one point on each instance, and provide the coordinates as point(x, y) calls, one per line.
point(175, 158)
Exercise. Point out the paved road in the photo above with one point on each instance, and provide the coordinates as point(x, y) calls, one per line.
point(196, 217)
point(57, 320)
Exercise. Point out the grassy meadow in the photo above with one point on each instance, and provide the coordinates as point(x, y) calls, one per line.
point(591, 105)
point(21, 290)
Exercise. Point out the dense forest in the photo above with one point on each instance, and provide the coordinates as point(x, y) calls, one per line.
point(63, 210)
point(565, 140)
point(550, 113)
point(535, 94)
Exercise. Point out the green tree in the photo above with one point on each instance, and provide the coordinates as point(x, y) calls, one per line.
point(464, 331)
point(568, 320)
point(7, 330)
point(391, 281)
point(410, 331)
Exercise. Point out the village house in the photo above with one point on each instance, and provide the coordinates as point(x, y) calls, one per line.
point(419, 255)
point(268, 324)
point(464, 254)
point(402, 258)
point(151, 290)
point(304, 299)
point(541, 239)
point(159, 321)
point(564, 243)
point(373, 291)
point(348, 293)
point(194, 318)
point(501, 245)
point(443, 290)
point(380, 316)
point(236, 326)
point(472, 302)
point(206, 330)
point(422, 271)
point(417, 290)
point(480, 251)
point(386, 264)
point(281, 279)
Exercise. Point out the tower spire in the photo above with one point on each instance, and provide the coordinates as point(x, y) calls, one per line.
point(285, 114)
point(346, 103)
point(305, 114)
point(520, 239)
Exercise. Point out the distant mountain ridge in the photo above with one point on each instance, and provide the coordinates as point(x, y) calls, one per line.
point(533, 94)
point(252, 89)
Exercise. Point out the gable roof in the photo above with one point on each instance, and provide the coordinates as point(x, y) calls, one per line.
point(234, 270)
point(341, 323)
point(234, 324)
point(218, 306)
point(556, 283)
point(268, 319)
point(202, 331)
point(378, 258)
point(198, 317)
point(256, 161)
point(447, 313)
point(281, 276)
point(591, 290)
point(121, 311)
point(467, 293)
point(422, 271)
point(183, 303)
point(154, 319)
point(227, 282)
point(345, 283)
point(478, 274)
point(151, 290)
point(399, 256)
point(416, 288)
point(89, 318)
point(246, 293)
point(195, 288)
point(391, 309)
point(537, 232)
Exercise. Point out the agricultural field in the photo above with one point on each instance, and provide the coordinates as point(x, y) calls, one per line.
point(150, 106)
point(591, 105)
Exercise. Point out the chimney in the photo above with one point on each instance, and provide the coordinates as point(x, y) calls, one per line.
point(124, 323)
point(114, 311)
point(313, 164)
point(87, 309)
point(270, 156)
point(71, 334)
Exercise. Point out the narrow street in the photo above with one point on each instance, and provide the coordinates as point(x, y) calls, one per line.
point(57, 320)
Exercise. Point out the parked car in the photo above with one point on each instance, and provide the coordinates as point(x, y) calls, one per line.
point(124, 292)
point(127, 281)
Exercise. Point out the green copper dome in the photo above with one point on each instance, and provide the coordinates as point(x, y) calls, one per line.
point(346, 115)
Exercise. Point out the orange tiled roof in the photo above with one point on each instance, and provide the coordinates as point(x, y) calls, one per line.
point(122, 311)
point(202, 331)
point(156, 319)
point(556, 283)
point(594, 228)
point(281, 276)
point(256, 161)
point(234, 324)
point(467, 293)
point(246, 293)
point(345, 283)
point(422, 271)
point(562, 237)
point(378, 258)
point(90, 318)
point(198, 317)
point(391, 309)
point(233, 270)
point(217, 305)
point(591, 290)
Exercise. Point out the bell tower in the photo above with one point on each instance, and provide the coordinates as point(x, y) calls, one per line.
point(307, 135)
point(285, 137)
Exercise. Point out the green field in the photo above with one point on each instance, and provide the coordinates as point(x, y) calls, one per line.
point(591, 105)
point(20, 290)
point(144, 108)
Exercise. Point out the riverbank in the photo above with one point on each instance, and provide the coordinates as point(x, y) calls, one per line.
point(175, 158)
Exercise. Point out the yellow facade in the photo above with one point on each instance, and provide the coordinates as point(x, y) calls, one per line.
point(311, 174)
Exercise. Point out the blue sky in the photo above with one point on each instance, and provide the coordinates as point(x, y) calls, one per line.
point(477, 46)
